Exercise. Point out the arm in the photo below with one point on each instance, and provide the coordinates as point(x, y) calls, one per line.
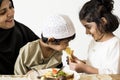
point(20, 67)
point(80, 66)
point(110, 65)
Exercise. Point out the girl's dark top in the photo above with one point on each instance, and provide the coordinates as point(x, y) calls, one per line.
point(11, 40)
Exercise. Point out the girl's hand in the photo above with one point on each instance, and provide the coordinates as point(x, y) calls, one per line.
point(76, 64)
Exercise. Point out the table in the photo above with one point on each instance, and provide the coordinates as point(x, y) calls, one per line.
point(82, 77)
point(14, 77)
point(115, 77)
point(100, 77)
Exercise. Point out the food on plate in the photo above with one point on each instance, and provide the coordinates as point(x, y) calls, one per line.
point(69, 52)
point(55, 74)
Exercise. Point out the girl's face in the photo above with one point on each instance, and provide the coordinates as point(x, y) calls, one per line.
point(6, 15)
point(62, 45)
point(91, 28)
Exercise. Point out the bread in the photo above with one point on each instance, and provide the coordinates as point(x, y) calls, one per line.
point(69, 52)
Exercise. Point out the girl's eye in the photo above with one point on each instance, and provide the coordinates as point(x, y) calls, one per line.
point(88, 27)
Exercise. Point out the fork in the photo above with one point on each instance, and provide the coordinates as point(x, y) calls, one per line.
point(38, 74)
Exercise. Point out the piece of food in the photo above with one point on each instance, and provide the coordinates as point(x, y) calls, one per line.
point(61, 75)
point(69, 52)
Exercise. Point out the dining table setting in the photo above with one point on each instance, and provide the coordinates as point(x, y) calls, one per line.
point(60, 74)
point(82, 77)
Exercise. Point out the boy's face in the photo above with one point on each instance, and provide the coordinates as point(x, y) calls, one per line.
point(62, 45)
point(6, 15)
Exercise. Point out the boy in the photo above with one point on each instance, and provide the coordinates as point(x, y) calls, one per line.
point(46, 52)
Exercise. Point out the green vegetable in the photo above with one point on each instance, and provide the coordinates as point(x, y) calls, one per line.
point(61, 73)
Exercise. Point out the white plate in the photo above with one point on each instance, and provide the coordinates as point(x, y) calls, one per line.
point(66, 70)
point(33, 75)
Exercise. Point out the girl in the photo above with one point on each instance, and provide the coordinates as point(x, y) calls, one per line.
point(104, 51)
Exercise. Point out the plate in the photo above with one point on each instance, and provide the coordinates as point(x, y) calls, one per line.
point(44, 72)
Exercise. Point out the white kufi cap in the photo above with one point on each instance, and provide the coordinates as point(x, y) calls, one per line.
point(58, 27)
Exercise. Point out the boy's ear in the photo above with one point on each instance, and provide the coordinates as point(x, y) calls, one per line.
point(103, 19)
point(51, 39)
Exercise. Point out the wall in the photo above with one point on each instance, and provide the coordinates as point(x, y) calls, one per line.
point(32, 13)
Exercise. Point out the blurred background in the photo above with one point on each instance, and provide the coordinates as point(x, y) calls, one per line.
point(33, 12)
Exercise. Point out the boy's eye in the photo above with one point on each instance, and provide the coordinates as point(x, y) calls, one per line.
point(66, 41)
